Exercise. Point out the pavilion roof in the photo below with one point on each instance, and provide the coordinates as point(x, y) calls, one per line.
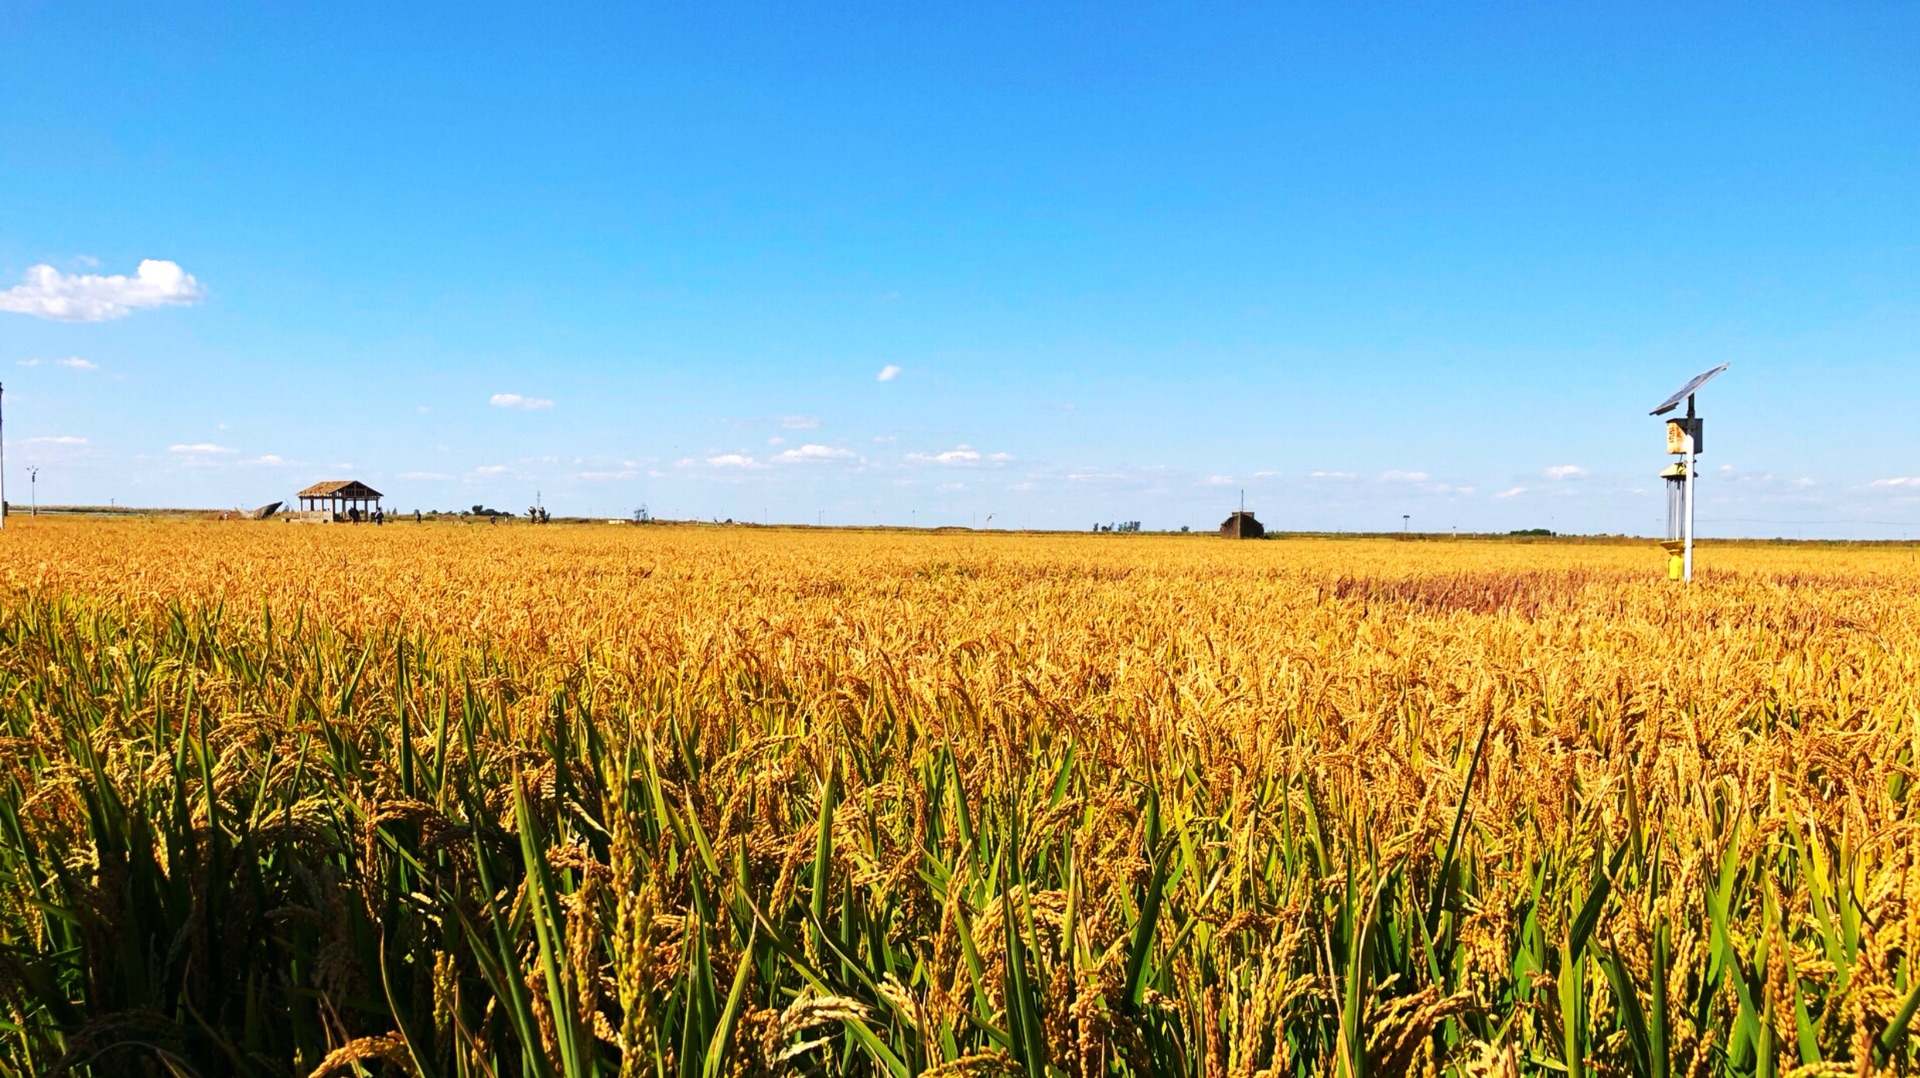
point(340, 488)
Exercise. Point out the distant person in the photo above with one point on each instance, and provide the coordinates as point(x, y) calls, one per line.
point(416, 516)
point(379, 517)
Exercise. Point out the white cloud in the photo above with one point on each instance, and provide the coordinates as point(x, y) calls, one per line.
point(1151, 480)
point(999, 458)
point(733, 460)
point(45, 292)
point(58, 439)
point(1265, 475)
point(491, 469)
point(419, 477)
point(888, 373)
point(515, 400)
point(799, 422)
point(78, 364)
point(1330, 475)
point(808, 453)
point(1565, 471)
point(1511, 492)
point(30, 362)
point(268, 460)
point(1404, 477)
point(1218, 480)
point(199, 449)
point(965, 454)
point(1897, 481)
point(601, 477)
point(1803, 482)
point(776, 440)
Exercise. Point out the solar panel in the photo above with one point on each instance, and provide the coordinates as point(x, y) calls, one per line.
point(1687, 390)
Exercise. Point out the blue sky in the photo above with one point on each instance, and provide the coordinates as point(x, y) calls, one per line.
point(1121, 260)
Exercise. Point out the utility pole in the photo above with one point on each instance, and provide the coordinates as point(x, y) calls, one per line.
point(1406, 521)
point(3, 462)
point(33, 488)
point(1683, 439)
point(1687, 569)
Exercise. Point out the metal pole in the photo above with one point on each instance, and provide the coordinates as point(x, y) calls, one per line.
point(3, 465)
point(1686, 571)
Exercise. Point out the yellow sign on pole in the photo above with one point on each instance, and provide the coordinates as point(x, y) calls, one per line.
point(1677, 435)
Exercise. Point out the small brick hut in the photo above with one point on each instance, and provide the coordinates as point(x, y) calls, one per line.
point(1241, 525)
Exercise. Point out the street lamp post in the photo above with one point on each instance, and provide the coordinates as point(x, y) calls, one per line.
point(33, 488)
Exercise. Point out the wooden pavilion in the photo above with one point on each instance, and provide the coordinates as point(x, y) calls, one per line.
point(338, 496)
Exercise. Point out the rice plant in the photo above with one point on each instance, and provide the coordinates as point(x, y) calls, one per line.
point(489, 802)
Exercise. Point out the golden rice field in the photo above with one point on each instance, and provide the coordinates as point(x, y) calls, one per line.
point(473, 802)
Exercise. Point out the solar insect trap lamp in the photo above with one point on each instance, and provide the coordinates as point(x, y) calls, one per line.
point(1686, 437)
